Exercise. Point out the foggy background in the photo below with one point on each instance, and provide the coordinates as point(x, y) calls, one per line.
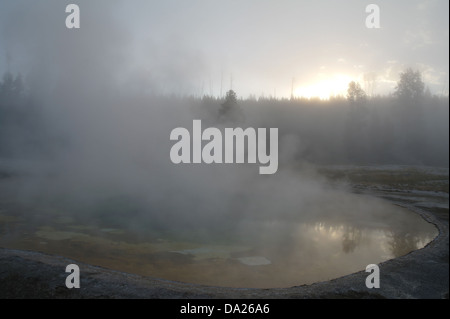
point(196, 47)
point(85, 115)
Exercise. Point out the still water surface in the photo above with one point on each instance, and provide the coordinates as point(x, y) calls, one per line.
point(263, 253)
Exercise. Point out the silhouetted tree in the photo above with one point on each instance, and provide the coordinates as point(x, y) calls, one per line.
point(11, 90)
point(230, 110)
point(7, 82)
point(357, 120)
point(230, 100)
point(355, 94)
point(19, 118)
point(410, 87)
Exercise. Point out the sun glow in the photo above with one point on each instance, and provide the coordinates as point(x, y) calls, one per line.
point(325, 87)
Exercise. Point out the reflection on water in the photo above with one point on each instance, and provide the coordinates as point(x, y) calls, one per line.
point(260, 253)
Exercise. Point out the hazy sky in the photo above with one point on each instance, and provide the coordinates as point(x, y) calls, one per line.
point(200, 46)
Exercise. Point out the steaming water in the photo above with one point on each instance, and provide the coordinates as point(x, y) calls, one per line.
point(301, 252)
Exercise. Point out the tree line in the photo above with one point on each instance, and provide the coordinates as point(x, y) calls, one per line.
point(407, 127)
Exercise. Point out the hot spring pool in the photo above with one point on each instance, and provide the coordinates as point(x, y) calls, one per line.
point(262, 253)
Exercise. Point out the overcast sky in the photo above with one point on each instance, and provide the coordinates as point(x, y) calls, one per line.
point(201, 46)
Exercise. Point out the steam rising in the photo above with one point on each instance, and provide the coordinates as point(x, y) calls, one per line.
point(92, 134)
